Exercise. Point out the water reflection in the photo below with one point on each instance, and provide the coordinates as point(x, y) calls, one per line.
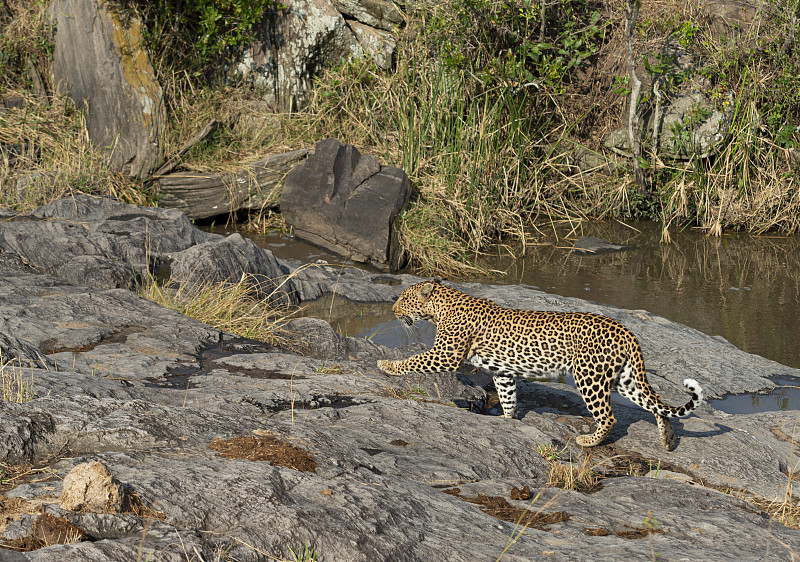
point(785, 396)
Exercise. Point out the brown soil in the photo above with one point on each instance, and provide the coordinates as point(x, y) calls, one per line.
point(636, 533)
point(265, 448)
point(523, 493)
point(138, 507)
point(499, 508)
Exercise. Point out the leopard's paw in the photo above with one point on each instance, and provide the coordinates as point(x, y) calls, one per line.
point(387, 367)
point(586, 440)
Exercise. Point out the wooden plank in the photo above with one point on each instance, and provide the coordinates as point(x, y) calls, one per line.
point(256, 186)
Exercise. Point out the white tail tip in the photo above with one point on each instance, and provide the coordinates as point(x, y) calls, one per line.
point(695, 388)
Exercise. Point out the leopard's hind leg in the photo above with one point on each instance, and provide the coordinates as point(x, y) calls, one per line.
point(666, 432)
point(595, 388)
point(627, 387)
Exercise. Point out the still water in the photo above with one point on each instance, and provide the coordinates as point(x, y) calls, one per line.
point(741, 287)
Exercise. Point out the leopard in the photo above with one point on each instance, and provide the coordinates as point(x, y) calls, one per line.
point(602, 354)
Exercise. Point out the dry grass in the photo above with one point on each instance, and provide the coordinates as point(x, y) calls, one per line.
point(231, 306)
point(50, 153)
point(787, 510)
point(249, 128)
point(568, 474)
point(487, 160)
point(15, 384)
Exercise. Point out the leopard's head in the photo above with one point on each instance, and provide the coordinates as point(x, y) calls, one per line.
point(416, 302)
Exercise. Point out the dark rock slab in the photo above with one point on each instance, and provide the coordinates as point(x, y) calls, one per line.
point(100, 57)
point(347, 203)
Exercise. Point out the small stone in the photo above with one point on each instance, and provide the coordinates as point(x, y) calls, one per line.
point(91, 487)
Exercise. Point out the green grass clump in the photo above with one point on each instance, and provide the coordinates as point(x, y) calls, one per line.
point(471, 133)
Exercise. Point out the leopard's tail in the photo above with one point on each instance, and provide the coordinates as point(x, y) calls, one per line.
point(653, 401)
point(680, 411)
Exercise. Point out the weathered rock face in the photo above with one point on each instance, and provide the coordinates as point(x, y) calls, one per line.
point(380, 14)
point(687, 123)
point(347, 203)
point(297, 42)
point(377, 44)
point(146, 392)
point(100, 59)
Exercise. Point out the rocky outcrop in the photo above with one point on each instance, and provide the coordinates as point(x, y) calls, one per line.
point(203, 443)
point(298, 41)
point(103, 243)
point(100, 59)
point(347, 203)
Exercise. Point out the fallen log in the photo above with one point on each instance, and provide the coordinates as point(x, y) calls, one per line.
point(256, 186)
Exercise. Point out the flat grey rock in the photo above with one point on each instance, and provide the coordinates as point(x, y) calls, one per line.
point(144, 390)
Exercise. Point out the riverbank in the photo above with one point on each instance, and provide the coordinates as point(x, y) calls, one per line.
point(492, 149)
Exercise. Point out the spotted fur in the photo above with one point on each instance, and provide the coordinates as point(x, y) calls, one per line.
point(602, 354)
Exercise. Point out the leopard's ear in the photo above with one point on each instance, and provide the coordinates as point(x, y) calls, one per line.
point(425, 291)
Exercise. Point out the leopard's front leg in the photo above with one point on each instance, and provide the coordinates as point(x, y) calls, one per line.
point(438, 359)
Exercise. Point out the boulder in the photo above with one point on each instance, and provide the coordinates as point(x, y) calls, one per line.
point(347, 203)
point(380, 14)
point(299, 41)
point(728, 16)
point(226, 260)
point(292, 46)
point(378, 45)
point(99, 57)
point(91, 487)
point(688, 123)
